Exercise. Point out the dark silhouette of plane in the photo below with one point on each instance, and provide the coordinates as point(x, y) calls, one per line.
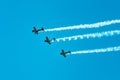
point(37, 30)
point(48, 40)
point(64, 53)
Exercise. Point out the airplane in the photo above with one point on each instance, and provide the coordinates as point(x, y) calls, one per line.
point(64, 53)
point(48, 40)
point(37, 30)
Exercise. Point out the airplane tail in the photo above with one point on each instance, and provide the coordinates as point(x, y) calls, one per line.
point(42, 29)
point(54, 39)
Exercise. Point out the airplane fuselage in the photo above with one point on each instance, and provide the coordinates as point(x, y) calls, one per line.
point(37, 30)
point(48, 40)
point(64, 53)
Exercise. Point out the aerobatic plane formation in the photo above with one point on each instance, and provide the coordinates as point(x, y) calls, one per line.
point(83, 36)
point(49, 41)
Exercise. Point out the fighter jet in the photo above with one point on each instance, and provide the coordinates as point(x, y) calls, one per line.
point(37, 30)
point(64, 53)
point(48, 40)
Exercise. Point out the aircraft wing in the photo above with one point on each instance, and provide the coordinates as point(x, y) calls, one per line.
point(62, 51)
point(49, 42)
point(34, 28)
point(47, 38)
point(64, 55)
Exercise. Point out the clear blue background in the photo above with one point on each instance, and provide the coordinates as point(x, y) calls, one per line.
point(25, 56)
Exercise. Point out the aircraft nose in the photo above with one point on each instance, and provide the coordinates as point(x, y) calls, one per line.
point(32, 30)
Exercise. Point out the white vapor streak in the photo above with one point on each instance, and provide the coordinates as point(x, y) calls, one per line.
point(91, 35)
point(83, 26)
point(109, 49)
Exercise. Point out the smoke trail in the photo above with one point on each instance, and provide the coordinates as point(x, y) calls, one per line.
point(109, 49)
point(83, 26)
point(91, 35)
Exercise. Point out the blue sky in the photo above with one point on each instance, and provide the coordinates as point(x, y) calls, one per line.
point(25, 56)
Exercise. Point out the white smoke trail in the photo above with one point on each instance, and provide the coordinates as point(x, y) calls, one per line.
point(91, 35)
point(109, 49)
point(83, 26)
